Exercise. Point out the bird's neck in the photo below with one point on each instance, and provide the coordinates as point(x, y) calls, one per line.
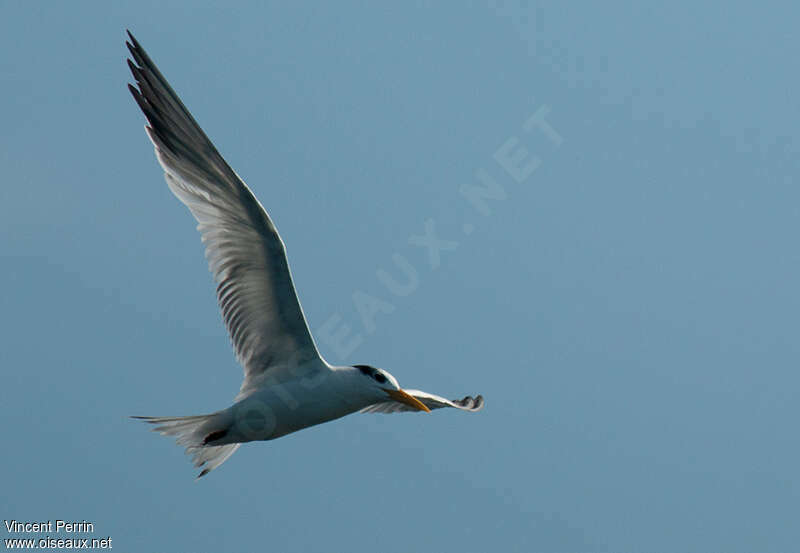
point(351, 386)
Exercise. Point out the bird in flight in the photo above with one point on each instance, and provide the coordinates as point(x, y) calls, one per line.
point(287, 384)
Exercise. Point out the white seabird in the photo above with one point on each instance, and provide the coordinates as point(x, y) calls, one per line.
point(287, 384)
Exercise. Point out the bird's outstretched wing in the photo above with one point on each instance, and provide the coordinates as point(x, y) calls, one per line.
point(431, 401)
point(245, 253)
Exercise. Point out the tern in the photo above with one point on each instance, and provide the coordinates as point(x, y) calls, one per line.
point(287, 384)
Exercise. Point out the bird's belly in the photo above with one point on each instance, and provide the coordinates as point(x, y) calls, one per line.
point(275, 412)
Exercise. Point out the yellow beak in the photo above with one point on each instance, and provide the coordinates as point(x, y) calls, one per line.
point(408, 399)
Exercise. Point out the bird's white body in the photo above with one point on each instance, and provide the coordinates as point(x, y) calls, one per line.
point(278, 408)
point(287, 384)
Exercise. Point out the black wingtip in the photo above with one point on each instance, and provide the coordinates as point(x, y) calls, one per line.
point(131, 43)
point(470, 403)
point(136, 95)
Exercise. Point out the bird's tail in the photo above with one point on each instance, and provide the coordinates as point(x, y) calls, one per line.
point(198, 433)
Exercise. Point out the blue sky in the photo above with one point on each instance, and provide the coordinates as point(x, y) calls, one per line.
point(628, 305)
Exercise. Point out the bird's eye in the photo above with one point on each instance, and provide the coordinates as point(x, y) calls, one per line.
point(380, 378)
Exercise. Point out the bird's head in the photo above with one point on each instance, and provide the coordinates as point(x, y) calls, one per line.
point(385, 385)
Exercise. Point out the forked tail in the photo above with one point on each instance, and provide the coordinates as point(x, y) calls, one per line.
point(197, 433)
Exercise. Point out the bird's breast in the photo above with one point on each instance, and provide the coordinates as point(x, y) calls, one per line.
point(281, 409)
